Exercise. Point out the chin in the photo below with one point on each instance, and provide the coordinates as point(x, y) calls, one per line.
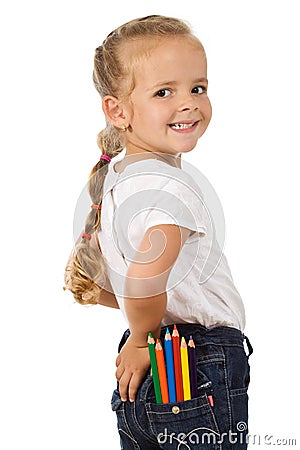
point(187, 148)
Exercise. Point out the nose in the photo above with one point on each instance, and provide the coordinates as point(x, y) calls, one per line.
point(187, 102)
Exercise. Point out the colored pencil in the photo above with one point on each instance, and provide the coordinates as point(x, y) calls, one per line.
point(151, 348)
point(177, 364)
point(170, 366)
point(185, 370)
point(162, 371)
point(192, 367)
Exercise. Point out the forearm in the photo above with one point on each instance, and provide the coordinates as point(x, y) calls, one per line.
point(145, 297)
point(144, 315)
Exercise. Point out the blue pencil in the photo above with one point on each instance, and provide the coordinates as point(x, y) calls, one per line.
point(170, 366)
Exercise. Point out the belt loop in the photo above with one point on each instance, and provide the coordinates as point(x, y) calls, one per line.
point(249, 346)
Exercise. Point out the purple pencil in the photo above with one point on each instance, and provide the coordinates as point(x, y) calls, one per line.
point(192, 367)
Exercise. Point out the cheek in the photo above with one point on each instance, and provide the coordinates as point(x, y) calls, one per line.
point(207, 109)
point(142, 113)
point(162, 115)
point(153, 116)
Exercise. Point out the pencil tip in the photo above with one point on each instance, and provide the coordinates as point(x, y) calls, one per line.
point(175, 332)
point(158, 345)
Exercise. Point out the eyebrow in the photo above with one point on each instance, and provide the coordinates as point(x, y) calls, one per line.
point(170, 83)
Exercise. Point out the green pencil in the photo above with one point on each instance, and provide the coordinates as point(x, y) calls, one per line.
point(151, 348)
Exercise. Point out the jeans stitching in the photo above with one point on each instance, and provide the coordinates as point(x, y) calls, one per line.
point(210, 417)
point(222, 345)
point(148, 412)
point(238, 392)
point(150, 439)
point(208, 359)
point(136, 445)
point(203, 361)
point(213, 416)
point(128, 433)
point(227, 391)
point(204, 405)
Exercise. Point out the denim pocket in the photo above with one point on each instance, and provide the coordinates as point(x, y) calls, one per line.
point(127, 439)
point(187, 424)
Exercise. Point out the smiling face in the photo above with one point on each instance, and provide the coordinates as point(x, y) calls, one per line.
point(168, 109)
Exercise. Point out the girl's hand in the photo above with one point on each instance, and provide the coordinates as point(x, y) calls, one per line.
point(132, 364)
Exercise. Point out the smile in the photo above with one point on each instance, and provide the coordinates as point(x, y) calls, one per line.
point(182, 126)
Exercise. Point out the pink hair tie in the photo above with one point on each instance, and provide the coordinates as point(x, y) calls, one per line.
point(107, 158)
point(87, 236)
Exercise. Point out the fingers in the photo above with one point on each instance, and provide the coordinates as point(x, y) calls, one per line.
point(128, 385)
point(134, 384)
point(132, 364)
point(118, 360)
point(119, 372)
point(123, 385)
point(123, 376)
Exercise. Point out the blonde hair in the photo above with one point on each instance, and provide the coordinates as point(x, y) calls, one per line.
point(86, 272)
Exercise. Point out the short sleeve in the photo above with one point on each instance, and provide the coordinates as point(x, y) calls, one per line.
point(179, 204)
point(150, 198)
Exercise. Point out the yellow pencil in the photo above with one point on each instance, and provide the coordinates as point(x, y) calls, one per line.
point(185, 370)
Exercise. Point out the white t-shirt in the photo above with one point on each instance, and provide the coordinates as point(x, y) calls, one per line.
point(150, 192)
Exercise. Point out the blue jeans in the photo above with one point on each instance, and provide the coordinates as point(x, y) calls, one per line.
point(223, 373)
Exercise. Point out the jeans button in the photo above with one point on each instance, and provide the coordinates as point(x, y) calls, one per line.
point(175, 409)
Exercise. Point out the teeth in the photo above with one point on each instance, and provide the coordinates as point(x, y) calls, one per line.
point(181, 126)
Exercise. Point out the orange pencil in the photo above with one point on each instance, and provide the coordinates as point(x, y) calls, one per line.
point(177, 364)
point(160, 359)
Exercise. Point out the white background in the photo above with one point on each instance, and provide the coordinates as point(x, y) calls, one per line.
point(57, 357)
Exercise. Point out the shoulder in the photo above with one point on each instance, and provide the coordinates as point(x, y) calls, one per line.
point(154, 174)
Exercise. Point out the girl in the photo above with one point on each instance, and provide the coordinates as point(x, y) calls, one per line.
point(149, 246)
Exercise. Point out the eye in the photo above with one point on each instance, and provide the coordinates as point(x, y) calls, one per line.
point(199, 90)
point(163, 93)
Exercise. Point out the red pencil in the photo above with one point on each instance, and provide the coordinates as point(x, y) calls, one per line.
point(160, 359)
point(177, 364)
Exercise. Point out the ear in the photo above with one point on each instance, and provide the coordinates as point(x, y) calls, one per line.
point(114, 111)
